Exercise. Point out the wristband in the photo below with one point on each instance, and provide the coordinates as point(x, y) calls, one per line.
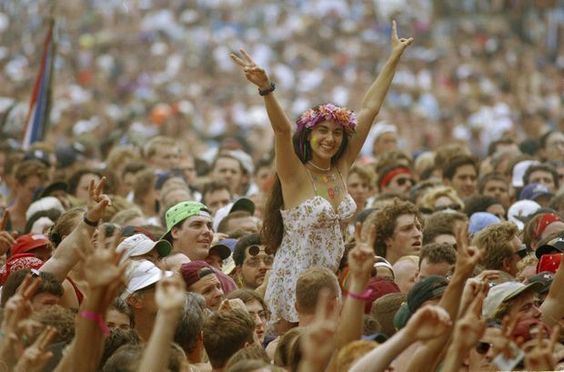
point(268, 90)
point(88, 222)
point(364, 296)
point(95, 317)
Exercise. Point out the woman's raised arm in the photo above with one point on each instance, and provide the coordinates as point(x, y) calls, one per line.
point(287, 162)
point(374, 97)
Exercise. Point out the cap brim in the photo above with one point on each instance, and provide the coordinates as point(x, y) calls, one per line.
point(536, 286)
point(546, 249)
point(223, 250)
point(243, 204)
point(56, 186)
point(163, 247)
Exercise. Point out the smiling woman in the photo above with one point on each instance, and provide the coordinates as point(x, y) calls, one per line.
point(309, 201)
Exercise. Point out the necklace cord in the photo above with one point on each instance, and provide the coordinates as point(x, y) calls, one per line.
point(319, 168)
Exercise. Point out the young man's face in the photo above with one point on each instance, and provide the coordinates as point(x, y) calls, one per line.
point(83, 185)
point(165, 157)
point(229, 171)
point(25, 191)
point(254, 267)
point(115, 319)
point(193, 237)
point(464, 180)
point(188, 168)
point(400, 184)
point(499, 190)
point(524, 306)
point(209, 287)
point(554, 149)
point(43, 300)
point(385, 142)
point(427, 269)
point(358, 188)
point(406, 240)
point(544, 178)
point(217, 199)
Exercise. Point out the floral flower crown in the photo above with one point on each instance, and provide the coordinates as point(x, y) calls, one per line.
point(340, 115)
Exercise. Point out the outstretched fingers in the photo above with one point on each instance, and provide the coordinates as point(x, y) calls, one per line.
point(247, 57)
point(237, 59)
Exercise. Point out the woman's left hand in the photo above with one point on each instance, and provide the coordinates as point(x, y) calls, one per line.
point(399, 44)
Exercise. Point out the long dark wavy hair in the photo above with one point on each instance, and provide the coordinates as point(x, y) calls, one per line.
point(273, 227)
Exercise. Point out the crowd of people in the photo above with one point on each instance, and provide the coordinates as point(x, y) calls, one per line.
point(391, 198)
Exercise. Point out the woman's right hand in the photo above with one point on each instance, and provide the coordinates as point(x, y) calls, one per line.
point(253, 73)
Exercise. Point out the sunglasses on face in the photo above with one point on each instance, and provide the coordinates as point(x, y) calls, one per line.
point(523, 251)
point(253, 250)
point(454, 207)
point(483, 347)
point(403, 181)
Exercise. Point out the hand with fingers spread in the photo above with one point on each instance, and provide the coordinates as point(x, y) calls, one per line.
point(428, 322)
point(170, 294)
point(471, 326)
point(502, 341)
point(97, 201)
point(361, 257)
point(541, 357)
point(18, 307)
point(36, 356)
point(253, 73)
point(468, 331)
point(319, 338)
point(102, 267)
point(467, 256)
point(472, 288)
point(16, 311)
point(6, 238)
point(399, 44)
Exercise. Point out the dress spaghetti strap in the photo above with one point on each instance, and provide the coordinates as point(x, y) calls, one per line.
point(342, 180)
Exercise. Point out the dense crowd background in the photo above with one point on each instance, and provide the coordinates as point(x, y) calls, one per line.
point(135, 68)
point(136, 223)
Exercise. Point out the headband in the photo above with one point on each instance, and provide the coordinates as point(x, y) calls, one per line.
point(328, 112)
point(543, 223)
point(391, 174)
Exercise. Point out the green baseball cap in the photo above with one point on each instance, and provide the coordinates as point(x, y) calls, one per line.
point(181, 211)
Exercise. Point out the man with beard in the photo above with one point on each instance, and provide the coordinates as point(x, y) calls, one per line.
point(251, 261)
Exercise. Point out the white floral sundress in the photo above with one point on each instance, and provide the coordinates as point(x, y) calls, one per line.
point(312, 237)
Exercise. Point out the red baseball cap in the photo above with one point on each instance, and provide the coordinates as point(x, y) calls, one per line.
point(29, 242)
point(549, 262)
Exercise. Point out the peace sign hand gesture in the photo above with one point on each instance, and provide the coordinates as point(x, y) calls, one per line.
point(253, 73)
point(361, 257)
point(36, 356)
point(467, 256)
point(97, 200)
point(399, 44)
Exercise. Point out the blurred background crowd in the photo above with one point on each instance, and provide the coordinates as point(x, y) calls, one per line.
point(130, 69)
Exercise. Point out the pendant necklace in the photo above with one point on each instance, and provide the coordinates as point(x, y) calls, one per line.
point(319, 168)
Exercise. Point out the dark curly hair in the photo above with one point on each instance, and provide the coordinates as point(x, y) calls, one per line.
point(385, 221)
